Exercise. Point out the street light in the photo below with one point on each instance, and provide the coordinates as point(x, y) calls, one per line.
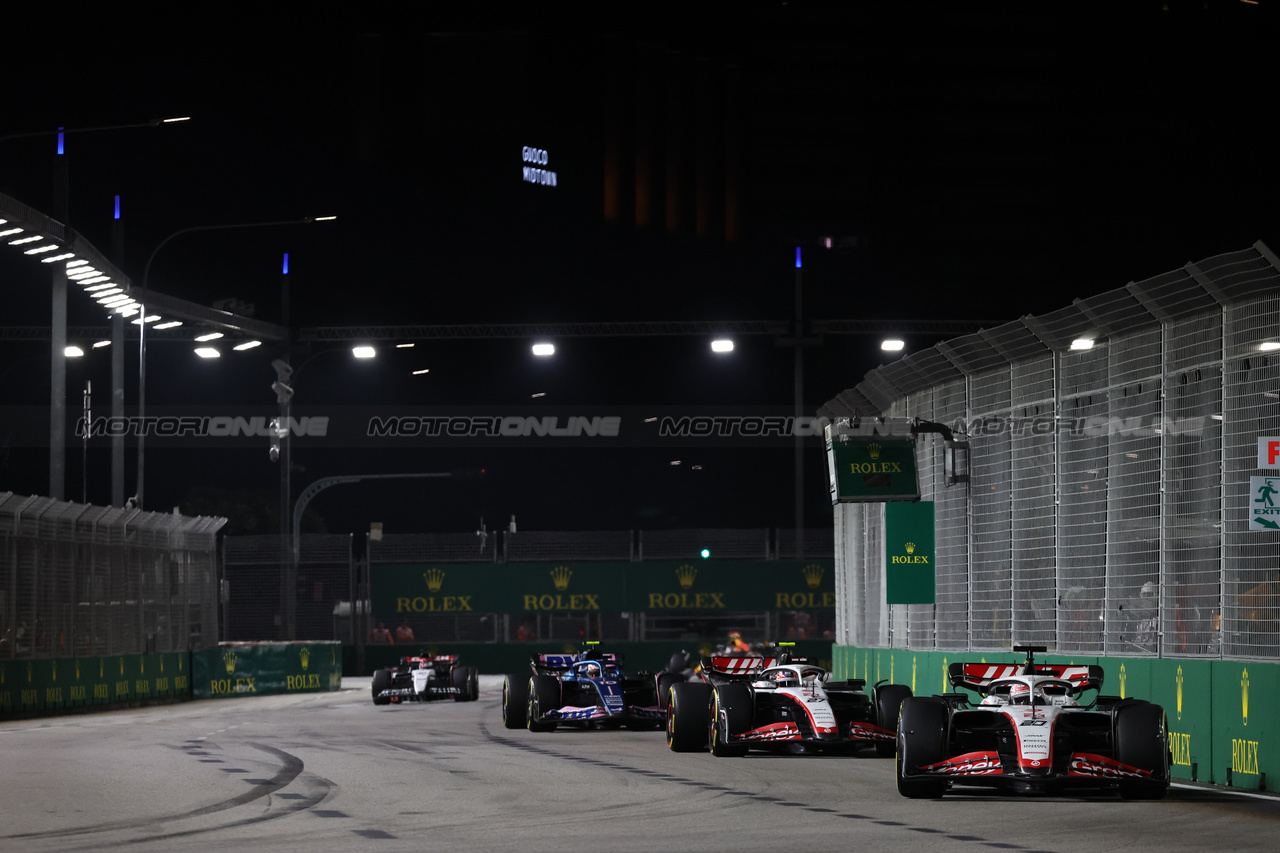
point(58, 326)
point(142, 336)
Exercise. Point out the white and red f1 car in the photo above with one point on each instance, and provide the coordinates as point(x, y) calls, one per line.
point(1031, 733)
point(779, 703)
point(423, 678)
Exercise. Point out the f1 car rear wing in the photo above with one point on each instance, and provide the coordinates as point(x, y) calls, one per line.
point(739, 666)
point(980, 676)
point(431, 659)
point(551, 663)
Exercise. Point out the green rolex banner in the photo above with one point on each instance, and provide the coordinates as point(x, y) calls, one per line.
point(872, 470)
point(909, 553)
point(414, 590)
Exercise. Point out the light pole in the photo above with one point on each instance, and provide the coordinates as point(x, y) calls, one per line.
point(142, 321)
point(799, 341)
point(58, 322)
point(298, 508)
point(282, 452)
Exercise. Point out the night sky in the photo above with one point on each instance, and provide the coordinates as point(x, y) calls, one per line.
point(932, 161)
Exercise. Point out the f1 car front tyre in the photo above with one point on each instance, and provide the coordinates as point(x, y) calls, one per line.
point(922, 740)
point(544, 695)
point(688, 708)
point(467, 680)
point(1142, 742)
point(889, 699)
point(515, 701)
point(381, 682)
point(731, 712)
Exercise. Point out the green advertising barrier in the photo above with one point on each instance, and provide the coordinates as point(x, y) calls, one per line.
point(50, 686)
point(728, 585)
point(1246, 742)
point(1185, 689)
point(258, 669)
point(1222, 723)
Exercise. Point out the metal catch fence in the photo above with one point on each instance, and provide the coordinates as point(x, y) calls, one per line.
point(256, 572)
point(1109, 503)
point(77, 579)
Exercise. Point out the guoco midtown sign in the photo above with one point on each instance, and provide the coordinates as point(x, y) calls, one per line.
point(535, 169)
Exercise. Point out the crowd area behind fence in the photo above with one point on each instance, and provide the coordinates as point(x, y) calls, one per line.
point(1108, 504)
point(77, 580)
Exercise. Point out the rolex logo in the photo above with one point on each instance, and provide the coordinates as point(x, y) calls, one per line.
point(560, 577)
point(1244, 696)
point(229, 661)
point(685, 574)
point(874, 449)
point(305, 654)
point(434, 579)
point(813, 575)
point(911, 547)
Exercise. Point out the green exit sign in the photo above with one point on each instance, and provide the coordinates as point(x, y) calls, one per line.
point(869, 470)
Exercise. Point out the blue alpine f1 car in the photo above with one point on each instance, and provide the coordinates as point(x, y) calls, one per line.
point(588, 689)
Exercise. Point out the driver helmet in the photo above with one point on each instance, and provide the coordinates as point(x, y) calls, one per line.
point(784, 677)
point(591, 670)
point(1019, 694)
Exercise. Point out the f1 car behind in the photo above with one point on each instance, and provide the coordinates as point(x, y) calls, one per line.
point(1030, 733)
point(426, 677)
point(584, 689)
point(779, 703)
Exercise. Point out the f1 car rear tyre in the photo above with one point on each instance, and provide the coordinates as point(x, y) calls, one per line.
point(922, 740)
point(467, 680)
point(544, 695)
point(889, 698)
point(731, 713)
point(665, 680)
point(688, 708)
point(381, 682)
point(515, 701)
point(1142, 742)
